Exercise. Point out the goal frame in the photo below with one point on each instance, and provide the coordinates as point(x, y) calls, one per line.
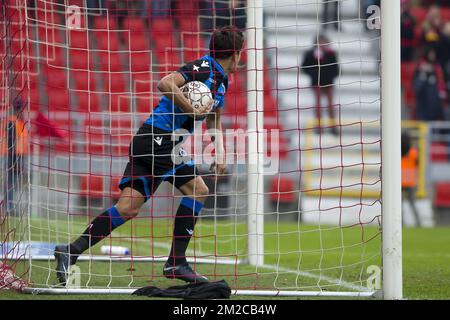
point(390, 149)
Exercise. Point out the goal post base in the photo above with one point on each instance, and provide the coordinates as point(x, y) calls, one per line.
point(265, 293)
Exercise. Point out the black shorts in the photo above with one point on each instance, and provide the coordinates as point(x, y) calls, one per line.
point(155, 156)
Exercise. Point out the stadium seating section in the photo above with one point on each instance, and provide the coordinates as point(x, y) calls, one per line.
point(408, 68)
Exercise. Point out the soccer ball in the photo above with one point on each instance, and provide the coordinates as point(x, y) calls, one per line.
point(197, 93)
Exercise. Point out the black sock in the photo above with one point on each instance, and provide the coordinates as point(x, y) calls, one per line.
point(100, 227)
point(183, 229)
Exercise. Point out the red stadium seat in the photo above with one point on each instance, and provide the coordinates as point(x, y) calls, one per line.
point(114, 82)
point(439, 152)
point(34, 80)
point(88, 102)
point(96, 137)
point(51, 45)
point(134, 24)
point(186, 9)
point(52, 55)
point(78, 39)
point(58, 99)
point(105, 23)
point(142, 82)
point(105, 33)
point(162, 26)
point(191, 44)
point(168, 61)
point(282, 190)
point(34, 99)
point(106, 40)
point(83, 80)
point(122, 131)
point(236, 104)
point(117, 102)
point(163, 34)
point(92, 186)
point(111, 61)
point(442, 195)
point(140, 61)
point(135, 29)
point(56, 77)
point(189, 25)
point(139, 42)
point(80, 59)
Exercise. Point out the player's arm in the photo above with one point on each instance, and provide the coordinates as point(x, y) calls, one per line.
point(214, 126)
point(170, 87)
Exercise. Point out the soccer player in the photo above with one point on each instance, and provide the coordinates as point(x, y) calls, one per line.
point(151, 161)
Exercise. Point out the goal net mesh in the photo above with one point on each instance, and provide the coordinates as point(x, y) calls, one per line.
point(78, 78)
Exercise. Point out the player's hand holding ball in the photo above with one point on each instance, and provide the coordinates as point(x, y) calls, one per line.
point(199, 96)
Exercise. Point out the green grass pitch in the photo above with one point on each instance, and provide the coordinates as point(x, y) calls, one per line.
point(328, 257)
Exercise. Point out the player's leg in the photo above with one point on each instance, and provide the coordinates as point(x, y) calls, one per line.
point(317, 95)
point(195, 192)
point(126, 208)
point(410, 191)
point(329, 92)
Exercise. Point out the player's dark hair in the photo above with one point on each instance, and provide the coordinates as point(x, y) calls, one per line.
point(225, 42)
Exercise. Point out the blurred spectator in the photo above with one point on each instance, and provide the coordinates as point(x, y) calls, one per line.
point(429, 86)
point(161, 8)
point(441, 3)
point(330, 14)
point(14, 148)
point(121, 9)
point(407, 36)
point(409, 174)
point(444, 54)
point(220, 13)
point(239, 15)
point(97, 6)
point(431, 28)
point(321, 65)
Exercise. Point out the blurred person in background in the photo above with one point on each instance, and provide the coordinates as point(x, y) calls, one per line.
point(444, 54)
point(160, 8)
point(441, 3)
point(408, 38)
point(14, 147)
point(429, 86)
point(221, 13)
point(409, 174)
point(321, 65)
point(431, 28)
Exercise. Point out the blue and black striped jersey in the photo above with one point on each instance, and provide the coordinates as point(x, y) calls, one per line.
point(169, 117)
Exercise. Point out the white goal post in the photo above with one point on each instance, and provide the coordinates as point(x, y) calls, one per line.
point(391, 154)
